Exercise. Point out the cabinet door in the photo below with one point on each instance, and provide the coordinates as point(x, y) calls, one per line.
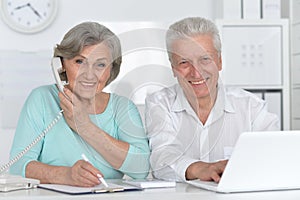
point(274, 104)
point(296, 38)
point(296, 102)
point(296, 69)
point(252, 55)
point(296, 124)
point(296, 8)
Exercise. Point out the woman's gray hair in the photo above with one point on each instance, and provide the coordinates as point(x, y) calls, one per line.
point(192, 26)
point(86, 34)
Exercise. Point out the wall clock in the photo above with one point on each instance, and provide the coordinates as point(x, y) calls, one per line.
point(28, 16)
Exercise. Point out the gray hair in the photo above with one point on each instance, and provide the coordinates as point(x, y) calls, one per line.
point(86, 34)
point(192, 26)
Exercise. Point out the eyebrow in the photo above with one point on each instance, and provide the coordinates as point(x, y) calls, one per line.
point(98, 59)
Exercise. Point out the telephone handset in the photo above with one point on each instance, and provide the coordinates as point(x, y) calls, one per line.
point(59, 74)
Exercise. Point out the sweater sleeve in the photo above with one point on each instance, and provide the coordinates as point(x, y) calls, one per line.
point(131, 130)
point(31, 124)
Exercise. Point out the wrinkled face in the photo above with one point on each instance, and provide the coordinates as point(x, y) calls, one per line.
point(196, 64)
point(89, 71)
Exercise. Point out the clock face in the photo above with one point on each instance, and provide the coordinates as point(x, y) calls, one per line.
point(28, 16)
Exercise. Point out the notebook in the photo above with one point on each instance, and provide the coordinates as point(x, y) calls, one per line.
point(150, 183)
point(113, 186)
point(260, 161)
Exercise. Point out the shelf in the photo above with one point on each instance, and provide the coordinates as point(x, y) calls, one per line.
point(258, 87)
point(255, 55)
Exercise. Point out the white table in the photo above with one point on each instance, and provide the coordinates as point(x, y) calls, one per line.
point(182, 191)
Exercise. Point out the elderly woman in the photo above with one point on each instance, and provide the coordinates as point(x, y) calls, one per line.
point(107, 128)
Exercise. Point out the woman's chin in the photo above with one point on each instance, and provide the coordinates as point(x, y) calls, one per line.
point(84, 94)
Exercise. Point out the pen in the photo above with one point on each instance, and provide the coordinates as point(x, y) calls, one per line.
point(98, 175)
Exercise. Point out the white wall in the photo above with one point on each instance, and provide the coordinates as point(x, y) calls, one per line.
point(72, 12)
point(24, 56)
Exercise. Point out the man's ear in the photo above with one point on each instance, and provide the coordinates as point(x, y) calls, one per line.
point(174, 71)
point(220, 65)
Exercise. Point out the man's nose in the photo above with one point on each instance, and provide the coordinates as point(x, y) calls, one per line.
point(196, 70)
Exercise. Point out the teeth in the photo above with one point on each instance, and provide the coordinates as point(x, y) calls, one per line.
point(88, 84)
point(198, 82)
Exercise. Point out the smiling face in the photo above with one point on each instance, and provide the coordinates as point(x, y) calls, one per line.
point(196, 64)
point(89, 71)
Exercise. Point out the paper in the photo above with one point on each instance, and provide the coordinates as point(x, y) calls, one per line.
point(151, 183)
point(112, 187)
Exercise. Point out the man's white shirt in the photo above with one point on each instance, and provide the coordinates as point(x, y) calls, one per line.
point(178, 138)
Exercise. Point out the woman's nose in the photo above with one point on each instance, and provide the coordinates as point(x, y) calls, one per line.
point(88, 70)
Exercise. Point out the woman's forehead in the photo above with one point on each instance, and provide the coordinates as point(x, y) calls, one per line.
point(95, 51)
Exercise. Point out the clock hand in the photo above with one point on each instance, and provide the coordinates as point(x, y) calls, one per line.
point(20, 7)
point(34, 10)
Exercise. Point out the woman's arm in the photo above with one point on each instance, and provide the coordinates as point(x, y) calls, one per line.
point(129, 151)
point(81, 173)
point(114, 151)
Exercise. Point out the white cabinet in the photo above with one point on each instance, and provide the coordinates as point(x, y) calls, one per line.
point(295, 63)
point(295, 37)
point(255, 57)
point(251, 53)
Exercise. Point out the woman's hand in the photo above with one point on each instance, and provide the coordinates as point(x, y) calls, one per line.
point(75, 112)
point(82, 174)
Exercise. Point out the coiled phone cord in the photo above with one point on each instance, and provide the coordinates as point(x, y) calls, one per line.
point(4, 167)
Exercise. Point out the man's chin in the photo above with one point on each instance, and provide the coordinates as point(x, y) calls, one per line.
point(201, 94)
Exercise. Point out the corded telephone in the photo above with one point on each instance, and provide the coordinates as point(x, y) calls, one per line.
point(12, 182)
point(59, 74)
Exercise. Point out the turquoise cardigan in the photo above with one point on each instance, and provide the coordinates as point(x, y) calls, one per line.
point(63, 147)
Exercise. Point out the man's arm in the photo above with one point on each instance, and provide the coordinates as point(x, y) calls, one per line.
point(167, 151)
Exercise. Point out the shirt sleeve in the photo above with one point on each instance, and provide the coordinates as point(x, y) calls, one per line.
point(131, 130)
point(30, 125)
point(167, 159)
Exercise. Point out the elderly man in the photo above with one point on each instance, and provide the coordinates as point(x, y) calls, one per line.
point(193, 126)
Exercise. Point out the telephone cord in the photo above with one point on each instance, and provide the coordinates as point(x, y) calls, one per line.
point(4, 167)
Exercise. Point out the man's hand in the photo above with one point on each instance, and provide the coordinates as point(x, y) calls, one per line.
point(206, 171)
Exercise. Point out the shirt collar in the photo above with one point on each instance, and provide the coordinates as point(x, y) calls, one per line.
point(222, 103)
point(180, 103)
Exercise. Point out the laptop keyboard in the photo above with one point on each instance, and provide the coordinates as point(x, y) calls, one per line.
point(209, 185)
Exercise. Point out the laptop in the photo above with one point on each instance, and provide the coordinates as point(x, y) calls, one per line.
point(260, 161)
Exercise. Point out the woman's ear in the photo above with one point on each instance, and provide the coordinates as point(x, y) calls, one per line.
point(62, 64)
